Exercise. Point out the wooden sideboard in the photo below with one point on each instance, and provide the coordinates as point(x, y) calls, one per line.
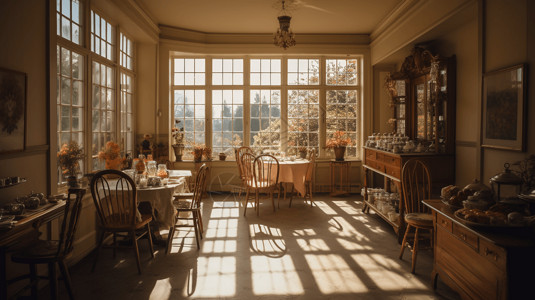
point(441, 167)
point(482, 263)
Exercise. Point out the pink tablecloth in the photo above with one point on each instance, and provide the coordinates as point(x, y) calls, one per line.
point(294, 172)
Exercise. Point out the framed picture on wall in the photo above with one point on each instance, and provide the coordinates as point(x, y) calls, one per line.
point(504, 108)
point(12, 111)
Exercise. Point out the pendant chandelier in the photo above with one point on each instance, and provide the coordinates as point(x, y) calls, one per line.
point(284, 37)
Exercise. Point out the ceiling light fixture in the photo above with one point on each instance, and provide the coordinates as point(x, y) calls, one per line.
point(284, 37)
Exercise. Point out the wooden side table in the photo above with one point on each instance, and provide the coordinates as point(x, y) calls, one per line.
point(339, 177)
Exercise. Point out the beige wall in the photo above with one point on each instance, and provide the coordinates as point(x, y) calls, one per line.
point(510, 40)
point(23, 40)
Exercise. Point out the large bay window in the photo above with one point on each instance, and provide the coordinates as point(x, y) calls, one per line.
point(280, 104)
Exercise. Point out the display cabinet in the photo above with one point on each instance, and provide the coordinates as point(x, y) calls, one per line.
point(423, 99)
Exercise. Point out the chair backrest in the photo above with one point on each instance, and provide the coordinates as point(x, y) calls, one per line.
point(246, 163)
point(312, 165)
point(266, 171)
point(239, 153)
point(115, 197)
point(416, 182)
point(73, 207)
point(200, 186)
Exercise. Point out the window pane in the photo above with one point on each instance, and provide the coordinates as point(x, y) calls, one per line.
point(227, 105)
point(265, 129)
point(189, 111)
point(342, 115)
point(303, 120)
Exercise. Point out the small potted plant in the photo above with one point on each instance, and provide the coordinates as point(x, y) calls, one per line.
point(197, 152)
point(178, 140)
point(68, 158)
point(338, 143)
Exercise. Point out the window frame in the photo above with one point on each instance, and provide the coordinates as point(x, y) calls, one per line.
point(284, 88)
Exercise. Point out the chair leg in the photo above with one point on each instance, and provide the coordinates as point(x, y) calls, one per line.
point(53, 277)
point(195, 227)
point(404, 242)
point(246, 201)
point(170, 236)
point(414, 250)
point(136, 250)
point(151, 247)
point(66, 278)
point(257, 202)
point(114, 245)
point(201, 225)
point(291, 196)
point(272, 200)
point(99, 247)
point(33, 280)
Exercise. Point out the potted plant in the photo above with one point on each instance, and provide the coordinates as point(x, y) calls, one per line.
point(302, 151)
point(178, 140)
point(338, 143)
point(68, 157)
point(197, 152)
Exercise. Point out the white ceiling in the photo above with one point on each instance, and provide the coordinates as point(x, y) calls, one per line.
point(260, 16)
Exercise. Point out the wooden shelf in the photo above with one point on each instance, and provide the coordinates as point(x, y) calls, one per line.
point(380, 214)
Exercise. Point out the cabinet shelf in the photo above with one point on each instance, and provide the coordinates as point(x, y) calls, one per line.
point(380, 214)
point(21, 180)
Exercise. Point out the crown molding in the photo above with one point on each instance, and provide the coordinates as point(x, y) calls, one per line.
point(139, 15)
point(395, 16)
point(186, 35)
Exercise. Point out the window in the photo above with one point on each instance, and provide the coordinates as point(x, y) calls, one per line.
point(303, 120)
point(279, 108)
point(88, 111)
point(189, 72)
point(103, 110)
point(127, 52)
point(265, 71)
point(342, 114)
point(69, 20)
point(189, 109)
point(227, 71)
point(69, 98)
point(101, 36)
point(127, 114)
point(303, 72)
point(265, 119)
point(227, 120)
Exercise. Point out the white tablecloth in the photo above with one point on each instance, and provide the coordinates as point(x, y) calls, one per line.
point(161, 200)
point(294, 172)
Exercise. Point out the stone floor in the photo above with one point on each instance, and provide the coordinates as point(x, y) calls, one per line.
point(328, 251)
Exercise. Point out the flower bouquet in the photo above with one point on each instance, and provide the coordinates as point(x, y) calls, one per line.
point(112, 156)
point(68, 157)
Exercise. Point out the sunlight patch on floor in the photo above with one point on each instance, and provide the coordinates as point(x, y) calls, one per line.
point(386, 273)
point(266, 239)
point(219, 246)
point(304, 232)
point(333, 275)
point(312, 245)
point(275, 276)
point(352, 244)
point(162, 289)
point(346, 207)
point(325, 208)
point(216, 277)
point(225, 212)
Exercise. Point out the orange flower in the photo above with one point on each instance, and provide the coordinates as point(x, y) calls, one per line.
point(338, 140)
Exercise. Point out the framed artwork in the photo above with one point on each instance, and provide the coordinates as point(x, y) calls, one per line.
point(12, 111)
point(504, 108)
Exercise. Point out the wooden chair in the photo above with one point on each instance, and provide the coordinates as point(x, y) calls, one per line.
point(239, 153)
point(53, 252)
point(309, 177)
point(193, 206)
point(115, 197)
point(262, 175)
point(416, 183)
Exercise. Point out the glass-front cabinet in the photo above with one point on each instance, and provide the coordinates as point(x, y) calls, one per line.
point(423, 100)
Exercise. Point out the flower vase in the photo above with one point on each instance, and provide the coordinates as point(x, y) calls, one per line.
point(339, 153)
point(72, 181)
point(302, 154)
point(179, 150)
point(197, 155)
